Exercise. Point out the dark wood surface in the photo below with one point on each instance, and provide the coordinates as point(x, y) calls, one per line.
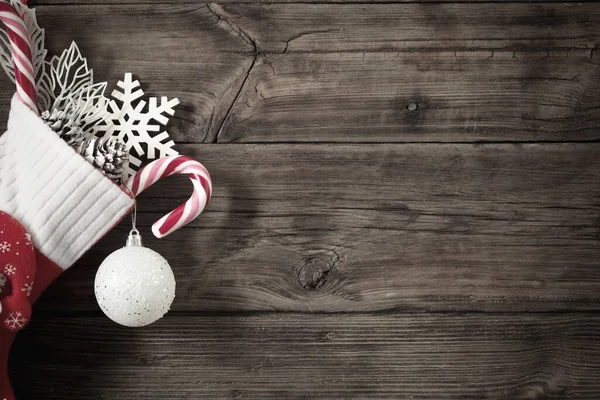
point(312, 356)
point(406, 206)
point(494, 227)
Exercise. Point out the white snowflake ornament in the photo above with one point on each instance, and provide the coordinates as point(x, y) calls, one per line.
point(133, 123)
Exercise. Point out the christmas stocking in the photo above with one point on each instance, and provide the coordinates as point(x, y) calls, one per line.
point(54, 206)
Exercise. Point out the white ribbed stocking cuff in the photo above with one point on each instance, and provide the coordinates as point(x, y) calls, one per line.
point(65, 203)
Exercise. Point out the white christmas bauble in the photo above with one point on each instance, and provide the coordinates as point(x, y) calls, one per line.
point(135, 286)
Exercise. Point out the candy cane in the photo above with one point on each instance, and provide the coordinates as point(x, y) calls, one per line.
point(173, 165)
point(21, 53)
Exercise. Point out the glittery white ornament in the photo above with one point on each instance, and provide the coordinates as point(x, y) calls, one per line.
point(135, 285)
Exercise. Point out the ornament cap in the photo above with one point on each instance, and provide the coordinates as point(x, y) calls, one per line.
point(134, 239)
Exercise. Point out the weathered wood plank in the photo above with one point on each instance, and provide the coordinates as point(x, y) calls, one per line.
point(202, 53)
point(376, 97)
point(418, 97)
point(182, 30)
point(399, 27)
point(377, 227)
point(312, 357)
point(157, 33)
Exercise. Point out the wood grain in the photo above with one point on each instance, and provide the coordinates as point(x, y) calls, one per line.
point(417, 97)
point(329, 228)
point(406, 72)
point(480, 356)
point(282, 28)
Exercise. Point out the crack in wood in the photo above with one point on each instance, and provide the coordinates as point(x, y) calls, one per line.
point(301, 34)
point(221, 14)
point(235, 99)
point(592, 51)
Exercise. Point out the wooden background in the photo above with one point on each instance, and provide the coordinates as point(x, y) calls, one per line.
point(406, 205)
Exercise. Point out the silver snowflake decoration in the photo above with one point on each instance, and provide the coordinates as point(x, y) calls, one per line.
point(4, 247)
point(9, 269)
point(136, 122)
point(15, 321)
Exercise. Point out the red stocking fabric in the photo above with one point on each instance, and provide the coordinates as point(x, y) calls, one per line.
point(19, 262)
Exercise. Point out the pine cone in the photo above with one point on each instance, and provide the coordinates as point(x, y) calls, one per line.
point(108, 154)
point(67, 130)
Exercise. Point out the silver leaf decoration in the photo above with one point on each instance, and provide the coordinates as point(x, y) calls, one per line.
point(68, 85)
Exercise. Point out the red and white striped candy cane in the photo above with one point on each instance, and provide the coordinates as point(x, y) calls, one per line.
point(174, 165)
point(21, 52)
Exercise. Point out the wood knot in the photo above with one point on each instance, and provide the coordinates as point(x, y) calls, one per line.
point(315, 272)
point(412, 107)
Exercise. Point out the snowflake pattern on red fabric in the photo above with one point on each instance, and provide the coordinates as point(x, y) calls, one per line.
point(15, 321)
point(17, 266)
point(27, 288)
point(28, 241)
point(9, 269)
